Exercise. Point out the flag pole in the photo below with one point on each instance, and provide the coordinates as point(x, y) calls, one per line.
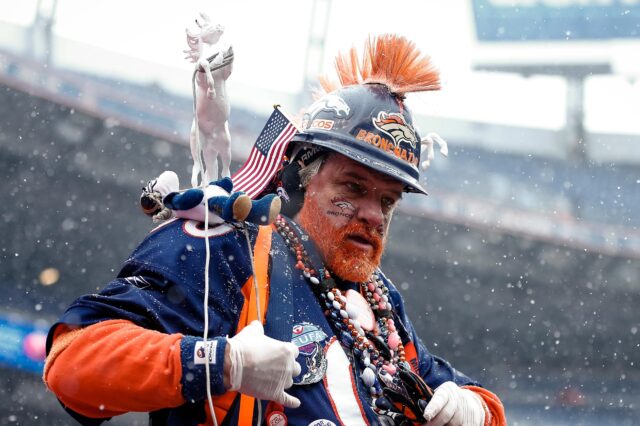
point(293, 123)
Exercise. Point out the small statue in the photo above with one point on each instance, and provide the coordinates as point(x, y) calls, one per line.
point(210, 129)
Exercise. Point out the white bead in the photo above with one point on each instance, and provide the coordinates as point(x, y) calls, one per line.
point(336, 304)
point(306, 274)
point(330, 296)
point(344, 313)
point(353, 313)
point(314, 280)
point(385, 298)
point(368, 377)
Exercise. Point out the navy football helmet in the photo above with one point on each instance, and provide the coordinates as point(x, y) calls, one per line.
point(370, 125)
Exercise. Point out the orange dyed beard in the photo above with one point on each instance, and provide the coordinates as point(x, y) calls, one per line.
point(347, 261)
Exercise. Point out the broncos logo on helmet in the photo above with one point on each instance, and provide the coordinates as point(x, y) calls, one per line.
point(329, 102)
point(393, 124)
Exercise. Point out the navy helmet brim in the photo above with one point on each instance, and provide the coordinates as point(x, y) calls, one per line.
point(363, 154)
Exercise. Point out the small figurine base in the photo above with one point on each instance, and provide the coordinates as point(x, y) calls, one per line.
point(162, 200)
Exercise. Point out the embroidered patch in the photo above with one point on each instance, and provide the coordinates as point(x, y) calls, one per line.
point(308, 338)
point(200, 352)
point(322, 422)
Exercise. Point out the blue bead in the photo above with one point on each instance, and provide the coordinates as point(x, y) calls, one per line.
point(383, 403)
point(347, 339)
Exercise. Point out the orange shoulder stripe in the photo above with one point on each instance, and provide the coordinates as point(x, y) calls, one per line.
point(249, 312)
point(261, 266)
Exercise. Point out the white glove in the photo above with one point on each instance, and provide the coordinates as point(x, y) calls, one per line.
point(454, 406)
point(263, 367)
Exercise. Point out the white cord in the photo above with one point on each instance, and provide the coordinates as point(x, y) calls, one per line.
point(207, 254)
point(257, 292)
point(206, 308)
point(207, 263)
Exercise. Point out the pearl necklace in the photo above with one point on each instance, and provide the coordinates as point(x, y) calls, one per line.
point(378, 351)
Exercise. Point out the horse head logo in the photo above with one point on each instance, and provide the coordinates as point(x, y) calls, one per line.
point(333, 103)
point(210, 33)
point(393, 124)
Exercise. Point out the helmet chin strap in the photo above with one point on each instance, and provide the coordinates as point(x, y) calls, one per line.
point(291, 190)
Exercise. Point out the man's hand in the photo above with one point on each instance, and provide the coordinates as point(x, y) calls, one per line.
point(454, 406)
point(260, 366)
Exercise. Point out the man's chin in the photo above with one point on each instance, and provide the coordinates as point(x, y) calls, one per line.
point(355, 260)
point(354, 268)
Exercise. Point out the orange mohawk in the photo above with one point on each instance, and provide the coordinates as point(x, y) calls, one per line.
point(388, 59)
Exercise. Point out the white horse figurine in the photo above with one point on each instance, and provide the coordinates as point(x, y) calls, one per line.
point(210, 129)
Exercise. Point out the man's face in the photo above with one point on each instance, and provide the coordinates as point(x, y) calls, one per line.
point(347, 210)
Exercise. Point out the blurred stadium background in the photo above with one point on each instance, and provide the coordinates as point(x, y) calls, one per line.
point(521, 267)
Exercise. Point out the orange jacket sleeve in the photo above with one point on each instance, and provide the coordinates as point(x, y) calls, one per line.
point(115, 366)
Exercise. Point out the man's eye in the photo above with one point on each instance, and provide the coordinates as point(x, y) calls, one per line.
point(352, 186)
point(388, 202)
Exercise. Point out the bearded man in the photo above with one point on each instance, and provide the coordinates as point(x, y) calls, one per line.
point(319, 335)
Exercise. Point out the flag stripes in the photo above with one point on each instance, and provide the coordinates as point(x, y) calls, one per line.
point(265, 156)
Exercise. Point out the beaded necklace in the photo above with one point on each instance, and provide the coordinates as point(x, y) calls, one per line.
point(377, 351)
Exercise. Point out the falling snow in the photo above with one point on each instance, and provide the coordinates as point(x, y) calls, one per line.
point(520, 269)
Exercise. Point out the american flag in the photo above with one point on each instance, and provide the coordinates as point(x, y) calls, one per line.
point(265, 156)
